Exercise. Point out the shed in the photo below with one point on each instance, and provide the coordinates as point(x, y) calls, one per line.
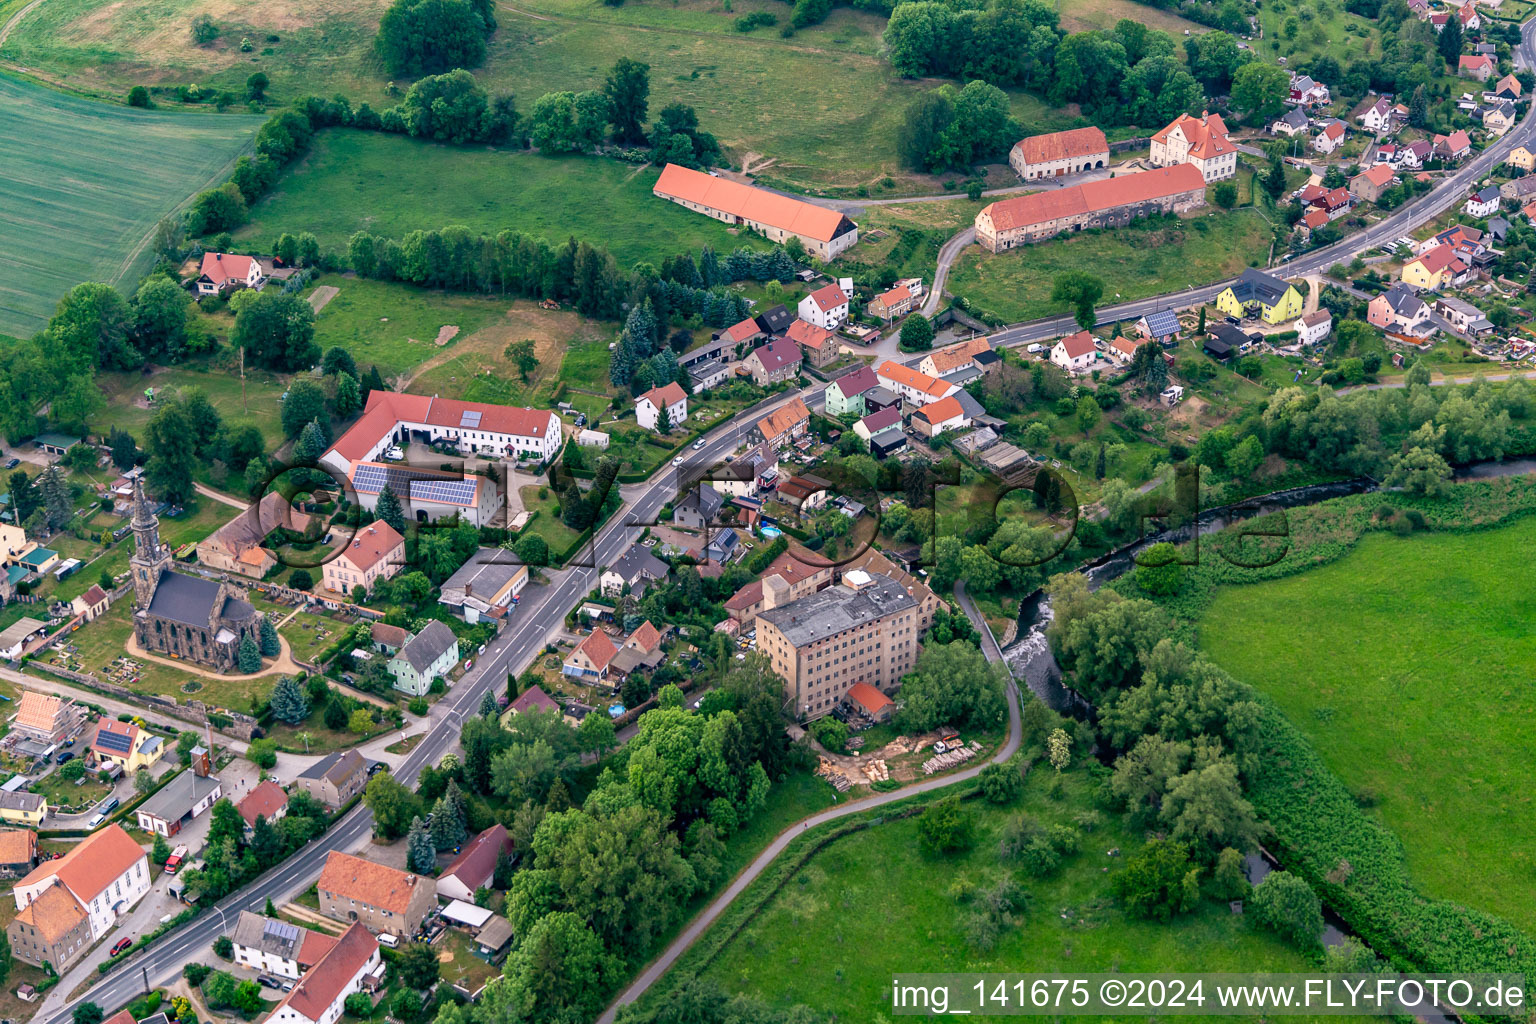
point(494, 937)
point(467, 914)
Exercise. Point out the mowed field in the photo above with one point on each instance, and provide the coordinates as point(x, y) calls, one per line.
point(82, 185)
point(389, 185)
point(819, 110)
point(1408, 665)
point(1133, 262)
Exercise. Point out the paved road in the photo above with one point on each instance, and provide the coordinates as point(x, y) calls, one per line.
point(709, 914)
point(538, 617)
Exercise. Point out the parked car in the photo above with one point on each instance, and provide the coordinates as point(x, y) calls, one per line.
point(68, 755)
point(122, 944)
point(12, 463)
point(698, 444)
point(267, 981)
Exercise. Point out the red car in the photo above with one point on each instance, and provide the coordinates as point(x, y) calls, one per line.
point(121, 945)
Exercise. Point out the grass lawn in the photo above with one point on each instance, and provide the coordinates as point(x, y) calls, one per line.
point(62, 793)
point(308, 635)
point(93, 180)
point(1406, 664)
point(1134, 263)
point(1083, 15)
point(458, 963)
point(356, 180)
point(217, 376)
point(872, 904)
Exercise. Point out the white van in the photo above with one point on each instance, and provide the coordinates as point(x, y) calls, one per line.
point(387, 939)
point(1035, 349)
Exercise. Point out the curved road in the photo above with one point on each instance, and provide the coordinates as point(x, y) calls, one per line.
point(700, 924)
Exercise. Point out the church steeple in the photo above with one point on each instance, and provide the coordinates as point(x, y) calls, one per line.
point(150, 557)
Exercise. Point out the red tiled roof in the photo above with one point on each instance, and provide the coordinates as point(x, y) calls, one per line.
point(372, 543)
point(476, 863)
point(598, 648)
point(372, 884)
point(942, 411)
point(1437, 259)
point(856, 382)
point(17, 845)
point(387, 408)
point(1335, 130)
point(783, 419)
point(1127, 346)
point(54, 913)
point(669, 394)
point(753, 204)
point(869, 698)
point(219, 267)
point(321, 986)
point(1378, 175)
point(94, 596)
point(915, 379)
point(746, 597)
point(1039, 149)
point(953, 357)
point(1079, 344)
point(645, 638)
point(38, 711)
point(93, 864)
point(1315, 219)
point(741, 332)
point(803, 332)
point(1092, 196)
point(1475, 63)
point(533, 699)
point(901, 293)
point(829, 297)
point(107, 725)
point(1207, 135)
point(262, 802)
point(315, 945)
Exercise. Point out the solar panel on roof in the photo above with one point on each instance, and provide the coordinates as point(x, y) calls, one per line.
point(458, 492)
point(117, 742)
point(368, 477)
point(281, 929)
point(471, 418)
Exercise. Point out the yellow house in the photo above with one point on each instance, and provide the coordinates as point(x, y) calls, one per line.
point(1257, 293)
point(126, 744)
point(1435, 268)
point(23, 808)
point(13, 543)
point(1522, 158)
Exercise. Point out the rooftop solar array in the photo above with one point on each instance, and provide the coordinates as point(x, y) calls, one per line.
point(371, 478)
point(282, 930)
point(455, 492)
point(117, 742)
point(471, 418)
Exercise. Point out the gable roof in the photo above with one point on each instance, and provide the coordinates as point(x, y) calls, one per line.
point(783, 419)
point(385, 409)
point(702, 498)
point(318, 989)
point(1092, 196)
point(743, 331)
point(1476, 62)
point(1509, 83)
point(1127, 346)
point(372, 543)
point(476, 863)
point(777, 354)
point(941, 411)
point(262, 802)
point(952, 357)
point(94, 596)
point(533, 699)
point(53, 912)
point(368, 882)
point(17, 845)
point(912, 378)
point(1488, 195)
point(803, 332)
point(1074, 142)
point(1162, 323)
point(646, 637)
point(92, 864)
point(638, 561)
point(1207, 135)
point(754, 204)
point(1321, 316)
point(39, 711)
point(598, 648)
point(1315, 219)
point(1402, 300)
point(857, 381)
point(1438, 259)
point(1077, 345)
point(828, 297)
point(1376, 174)
point(881, 419)
point(1256, 286)
point(1334, 129)
point(891, 297)
point(426, 647)
point(1457, 140)
point(220, 267)
point(114, 737)
point(869, 698)
point(336, 767)
point(389, 636)
point(1295, 117)
point(666, 396)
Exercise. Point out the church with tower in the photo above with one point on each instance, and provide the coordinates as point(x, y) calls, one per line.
point(182, 616)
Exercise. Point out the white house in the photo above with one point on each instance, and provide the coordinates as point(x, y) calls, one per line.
point(670, 397)
point(1307, 92)
point(222, 271)
point(272, 946)
point(1075, 353)
point(321, 994)
point(1330, 138)
point(106, 873)
point(1313, 327)
point(914, 386)
point(1374, 115)
point(1484, 203)
point(1201, 141)
point(396, 419)
point(429, 655)
point(826, 307)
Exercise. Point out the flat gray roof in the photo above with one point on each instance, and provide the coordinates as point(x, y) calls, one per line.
point(835, 609)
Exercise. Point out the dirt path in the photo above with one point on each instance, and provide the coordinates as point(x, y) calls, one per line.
point(221, 497)
point(322, 295)
point(283, 664)
point(15, 19)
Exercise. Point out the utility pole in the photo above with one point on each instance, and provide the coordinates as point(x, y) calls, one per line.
point(242, 382)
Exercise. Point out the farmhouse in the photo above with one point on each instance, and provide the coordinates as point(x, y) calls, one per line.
point(1095, 204)
point(669, 397)
point(739, 334)
point(104, 874)
point(1201, 141)
point(1374, 113)
point(475, 866)
point(277, 947)
point(1059, 153)
point(221, 272)
point(392, 418)
point(267, 800)
point(1453, 147)
point(238, 545)
point(975, 353)
point(1330, 138)
point(937, 417)
point(1480, 67)
point(881, 430)
point(381, 898)
point(823, 232)
point(1292, 122)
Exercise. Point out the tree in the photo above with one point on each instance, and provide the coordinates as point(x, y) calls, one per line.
point(72, 770)
point(1449, 43)
point(418, 965)
point(277, 331)
point(1088, 413)
point(1230, 879)
point(138, 96)
point(628, 90)
point(916, 333)
point(125, 451)
point(88, 1013)
point(1274, 186)
point(488, 706)
point(360, 721)
point(1225, 194)
point(1205, 807)
point(289, 702)
point(1081, 291)
point(568, 122)
point(256, 86)
point(271, 646)
point(522, 355)
point(1002, 783)
point(1059, 748)
point(1260, 90)
point(533, 550)
point(349, 395)
point(924, 124)
point(160, 318)
point(90, 330)
point(55, 495)
point(427, 37)
point(335, 714)
point(217, 209)
point(301, 579)
point(160, 852)
point(596, 734)
point(952, 683)
point(387, 507)
point(1158, 881)
point(143, 782)
point(392, 804)
point(1285, 904)
point(945, 828)
point(560, 971)
point(262, 753)
point(1158, 570)
point(421, 855)
point(302, 405)
point(224, 948)
point(248, 656)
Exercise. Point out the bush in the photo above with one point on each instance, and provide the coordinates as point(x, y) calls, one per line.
point(1285, 904)
point(138, 96)
point(224, 948)
point(945, 828)
point(195, 973)
point(1158, 881)
point(359, 1005)
point(757, 19)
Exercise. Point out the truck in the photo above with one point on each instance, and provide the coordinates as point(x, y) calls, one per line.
point(174, 860)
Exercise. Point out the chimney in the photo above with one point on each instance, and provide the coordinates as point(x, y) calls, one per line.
point(469, 588)
point(775, 592)
point(200, 766)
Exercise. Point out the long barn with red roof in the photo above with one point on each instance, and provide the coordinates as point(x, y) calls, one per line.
point(1096, 204)
point(824, 232)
